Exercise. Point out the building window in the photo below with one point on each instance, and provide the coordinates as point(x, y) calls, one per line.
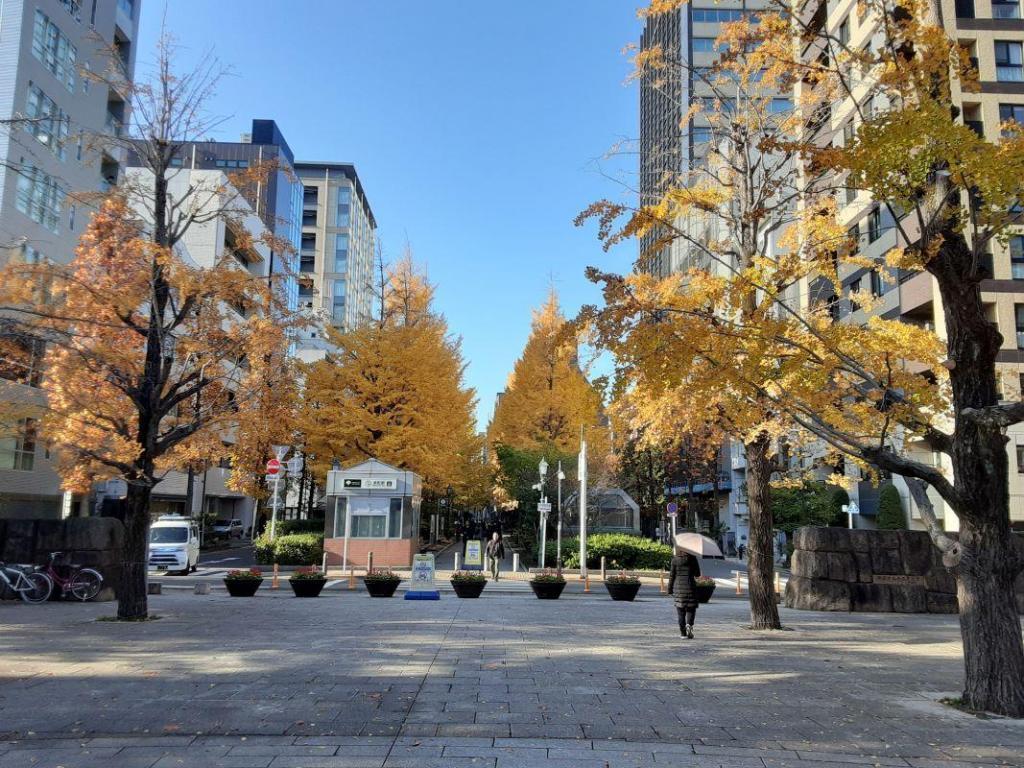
point(21, 361)
point(39, 197)
point(338, 303)
point(18, 451)
point(703, 45)
point(74, 7)
point(853, 290)
point(1012, 113)
point(372, 518)
point(843, 33)
point(715, 15)
point(779, 105)
point(343, 214)
point(1018, 311)
point(1005, 9)
point(341, 253)
point(1009, 61)
point(1020, 459)
point(54, 50)
point(395, 519)
point(127, 7)
point(46, 121)
point(1017, 257)
point(874, 224)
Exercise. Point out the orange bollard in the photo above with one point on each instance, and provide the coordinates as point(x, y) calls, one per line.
point(663, 590)
point(275, 584)
point(586, 583)
point(739, 587)
point(351, 576)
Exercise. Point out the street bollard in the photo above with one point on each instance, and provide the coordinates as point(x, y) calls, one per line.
point(778, 583)
point(351, 576)
point(202, 588)
point(274, 584)
point(739, 588)
point(586, 582)
point(487, 563)
point(515, 562)
point(324, 566)
point(662, 590)
point(603, 570)
point(369, 562)
point(458, 560)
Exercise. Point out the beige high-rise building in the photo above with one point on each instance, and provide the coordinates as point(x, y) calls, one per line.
point(50, 160)
point(336, 267)
point(993, 31)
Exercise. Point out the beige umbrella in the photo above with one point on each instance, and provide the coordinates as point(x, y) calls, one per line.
point(697, 544)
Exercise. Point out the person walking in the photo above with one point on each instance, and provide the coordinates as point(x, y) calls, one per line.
point(682, 585)
point(496, 552)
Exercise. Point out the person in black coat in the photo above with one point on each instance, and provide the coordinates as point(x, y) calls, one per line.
point(682, 585)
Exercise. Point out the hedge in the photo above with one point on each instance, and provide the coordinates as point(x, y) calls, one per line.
point(285, 527)
point(620, 550)
point(290, 549)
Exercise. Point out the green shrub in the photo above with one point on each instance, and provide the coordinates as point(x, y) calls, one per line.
point(286, 527)
point(890, 510)
point(291, 549)
point(620, 550)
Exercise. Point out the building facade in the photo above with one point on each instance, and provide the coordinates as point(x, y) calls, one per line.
point(993, 33)
point(336, 268)
point(65, 68)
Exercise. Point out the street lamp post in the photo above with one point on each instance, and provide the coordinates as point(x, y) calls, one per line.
point(558, 546)
point(543, 468)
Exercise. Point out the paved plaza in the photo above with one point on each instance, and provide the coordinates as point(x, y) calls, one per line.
point(346, 681)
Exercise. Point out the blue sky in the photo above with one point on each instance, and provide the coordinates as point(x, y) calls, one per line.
point(479, 130)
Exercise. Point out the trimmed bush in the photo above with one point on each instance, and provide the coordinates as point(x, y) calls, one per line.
point(620, 550)
point(291, 549)
point(286, 527)
point(890, 510)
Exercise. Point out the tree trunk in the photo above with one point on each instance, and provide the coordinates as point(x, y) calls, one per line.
point(764, 610)
point(132, 600)
point(989, 622)
point(990, 559)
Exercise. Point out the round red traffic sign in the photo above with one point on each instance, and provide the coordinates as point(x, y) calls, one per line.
point(273, 467)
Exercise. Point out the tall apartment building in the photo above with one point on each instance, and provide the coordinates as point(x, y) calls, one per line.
point(336, 267)
point(277, 201)
point(49, 162)
point(671, 154)
point(993, 31)
point(671, 151)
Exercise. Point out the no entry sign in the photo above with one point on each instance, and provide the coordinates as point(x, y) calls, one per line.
point(273, 467)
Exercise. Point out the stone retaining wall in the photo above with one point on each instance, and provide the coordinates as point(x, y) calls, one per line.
point(836, 569)
point(90, 541)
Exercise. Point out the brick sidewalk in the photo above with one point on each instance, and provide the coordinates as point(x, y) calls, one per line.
point(347, 681)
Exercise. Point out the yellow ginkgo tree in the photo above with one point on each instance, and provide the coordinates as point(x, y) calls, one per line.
point(739, 333)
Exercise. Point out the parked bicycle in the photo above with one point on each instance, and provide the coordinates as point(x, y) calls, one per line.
point(81, 583)
point(31, 586)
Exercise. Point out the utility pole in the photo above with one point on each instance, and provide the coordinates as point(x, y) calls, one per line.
point(558, 546)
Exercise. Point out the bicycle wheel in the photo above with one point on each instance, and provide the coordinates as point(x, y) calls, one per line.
point(86, 584)
point(39, 589)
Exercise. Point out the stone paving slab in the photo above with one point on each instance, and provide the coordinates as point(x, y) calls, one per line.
point(500, 682)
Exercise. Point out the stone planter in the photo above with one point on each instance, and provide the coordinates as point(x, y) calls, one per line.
point(468, 589)
point(381, 587)
point(547, 590)
point(307, 587)
point(242, 587)
point(704, 592)
point(622, 591)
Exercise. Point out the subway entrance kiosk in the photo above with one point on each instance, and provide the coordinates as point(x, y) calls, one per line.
point(372, 507)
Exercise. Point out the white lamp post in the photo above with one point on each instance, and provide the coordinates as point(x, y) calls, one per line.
point(543, 468)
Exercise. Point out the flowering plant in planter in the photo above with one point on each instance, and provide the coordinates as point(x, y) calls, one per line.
point(548, 576)
point(382, 574)
point(469, 576)
point(309, 572)
point(622, 578)
point(705, 581)
point(248, 574)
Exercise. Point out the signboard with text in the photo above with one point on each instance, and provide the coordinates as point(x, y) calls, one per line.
point(474, 555)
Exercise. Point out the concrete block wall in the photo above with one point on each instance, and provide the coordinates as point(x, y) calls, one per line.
point(836, 569)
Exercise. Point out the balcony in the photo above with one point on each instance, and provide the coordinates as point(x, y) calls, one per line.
point(112, 125)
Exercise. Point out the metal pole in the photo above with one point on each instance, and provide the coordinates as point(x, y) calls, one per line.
point(543, 532)
point(583, 504)
point(348, 530)
point(558, 546)
point(273, 509)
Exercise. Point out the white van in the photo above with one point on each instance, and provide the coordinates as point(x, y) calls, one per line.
point(174, 544)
